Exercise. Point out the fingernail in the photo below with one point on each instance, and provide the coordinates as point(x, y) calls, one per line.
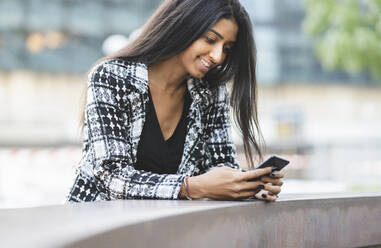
point(261, 186)
point(264, 195)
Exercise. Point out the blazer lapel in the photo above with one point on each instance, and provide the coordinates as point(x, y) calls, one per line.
point(138, 101)
point(193, 148)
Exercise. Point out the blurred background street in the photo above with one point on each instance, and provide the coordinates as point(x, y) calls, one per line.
point(319, 74)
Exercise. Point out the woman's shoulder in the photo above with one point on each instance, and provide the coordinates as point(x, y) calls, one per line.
point(126, 74)
point(121, 68)
point(210, 93)
point(220, 92)
point(217, 89)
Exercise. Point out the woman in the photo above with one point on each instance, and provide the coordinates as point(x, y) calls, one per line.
point(157, 119)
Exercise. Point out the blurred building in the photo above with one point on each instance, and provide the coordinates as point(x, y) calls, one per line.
point(64, 36)
point(67, 36)
point(46, 44)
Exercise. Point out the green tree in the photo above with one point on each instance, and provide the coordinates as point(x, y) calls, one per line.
point(347, 34)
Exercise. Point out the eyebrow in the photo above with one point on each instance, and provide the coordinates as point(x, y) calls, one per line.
point(219, 35)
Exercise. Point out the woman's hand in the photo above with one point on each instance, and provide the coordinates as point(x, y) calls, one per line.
point(272, 184)
point(225, 183)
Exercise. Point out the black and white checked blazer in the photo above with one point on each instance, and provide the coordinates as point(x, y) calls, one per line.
point(117, 97)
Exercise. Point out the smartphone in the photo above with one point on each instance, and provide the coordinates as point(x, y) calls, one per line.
point(274, 161)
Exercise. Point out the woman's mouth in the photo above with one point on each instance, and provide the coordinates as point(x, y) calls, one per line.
point(205, 65)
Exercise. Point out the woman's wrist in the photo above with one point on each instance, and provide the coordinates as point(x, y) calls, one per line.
point(182, 191)
point(195, 189)
point(191, 187)
point(185, 182)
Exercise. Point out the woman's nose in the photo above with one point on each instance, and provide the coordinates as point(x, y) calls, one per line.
point(217, 55)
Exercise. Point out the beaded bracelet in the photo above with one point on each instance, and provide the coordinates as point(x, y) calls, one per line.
point(186, 188)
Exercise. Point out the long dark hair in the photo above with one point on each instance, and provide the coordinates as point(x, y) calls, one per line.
point(176, 24)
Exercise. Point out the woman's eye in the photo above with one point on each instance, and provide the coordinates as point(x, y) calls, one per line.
point(209, 40)
point(227, 50)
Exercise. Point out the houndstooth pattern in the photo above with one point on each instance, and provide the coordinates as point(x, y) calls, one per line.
point(117, 97)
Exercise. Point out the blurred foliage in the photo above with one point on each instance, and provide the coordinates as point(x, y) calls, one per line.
point(365, 188)
point(347, 34)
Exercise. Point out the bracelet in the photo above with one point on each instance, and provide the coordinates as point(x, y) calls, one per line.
point(187, 188)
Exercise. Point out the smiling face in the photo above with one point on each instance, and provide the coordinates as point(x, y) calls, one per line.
point(211, 49)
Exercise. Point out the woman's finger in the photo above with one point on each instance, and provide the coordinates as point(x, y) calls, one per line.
point(265, 195)
point(270, 198)
point(272, 188)
point(274, 181)
point(255, 174)
point(246, 194)
point(252, 185)
point(277, 174)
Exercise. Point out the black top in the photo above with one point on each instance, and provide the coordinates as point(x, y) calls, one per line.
point(155, 154)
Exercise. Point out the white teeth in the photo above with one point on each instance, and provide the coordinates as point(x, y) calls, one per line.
point(205, 63)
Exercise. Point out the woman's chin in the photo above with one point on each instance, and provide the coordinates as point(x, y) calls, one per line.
point(199, 74)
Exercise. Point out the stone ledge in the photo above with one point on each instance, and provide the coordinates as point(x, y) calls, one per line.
point(334, 220)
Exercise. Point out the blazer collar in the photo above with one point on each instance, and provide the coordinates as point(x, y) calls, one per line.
point(198, 88)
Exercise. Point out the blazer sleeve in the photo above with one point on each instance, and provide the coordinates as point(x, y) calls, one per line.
point(221, 150)
point(109, 128)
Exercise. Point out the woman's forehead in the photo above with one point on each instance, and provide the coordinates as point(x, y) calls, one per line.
point(226, 29)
